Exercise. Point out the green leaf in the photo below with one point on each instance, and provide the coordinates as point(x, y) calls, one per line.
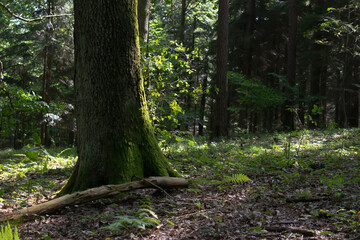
point(170, 222)
point(36, 139)
point(32, 156)
point(237, 178)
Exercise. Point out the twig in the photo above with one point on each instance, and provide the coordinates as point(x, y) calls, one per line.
point(30, 20)
point(305, 199)
point(305, 232)
point(153, 184)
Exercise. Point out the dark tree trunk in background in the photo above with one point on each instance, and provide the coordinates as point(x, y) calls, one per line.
point(247, 61)
point(182, 21)
point(1, 70)
point(48, 62)
point(315, 76)
point(143, 18)
point(204, 94)
point(346, 107)
point(202, 107)
point(288, 118)
point(248, 46)
point(115, 138)
point(351, 93)
point(220, 118)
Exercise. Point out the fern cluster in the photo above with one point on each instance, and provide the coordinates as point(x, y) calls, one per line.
point(6, 233)
point(145, 218)
point(127, 222)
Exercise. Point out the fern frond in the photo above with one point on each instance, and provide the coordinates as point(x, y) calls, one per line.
point(236, 178)
point(7, 233)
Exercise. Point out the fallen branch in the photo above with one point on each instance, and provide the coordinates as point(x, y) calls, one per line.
point(305, 199)
point(305, 232)
point(93, 194)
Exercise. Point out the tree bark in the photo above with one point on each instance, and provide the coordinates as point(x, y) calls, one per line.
point(94, 194)
point(48, 62)
point(143, 18)
point(115, 137)
point(220, 119)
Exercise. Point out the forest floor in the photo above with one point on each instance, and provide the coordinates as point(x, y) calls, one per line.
point(304, 185)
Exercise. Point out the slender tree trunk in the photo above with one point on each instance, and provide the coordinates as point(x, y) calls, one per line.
point(1, 70)
point(248, 46)
point(291, 64)
point(220, 119)
point(182, 21)
point(351, 99)
point(345, 89)
point(203, 96)
point(48, 60)
point(323, 89)
point(115, 138)
point(202, 107)
point(245, 119)
point(358, 105)
point(143, 18)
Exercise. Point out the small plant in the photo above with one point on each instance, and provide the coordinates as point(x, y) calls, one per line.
point(287, 148)
point(236, 178)
point(38, 153)
point(6, 233)
point(128, 222)
point(145, 218)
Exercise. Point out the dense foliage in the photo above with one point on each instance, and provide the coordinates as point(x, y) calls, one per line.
point(179, 67)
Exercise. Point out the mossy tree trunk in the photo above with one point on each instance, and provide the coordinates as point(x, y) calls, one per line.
point(115, 138)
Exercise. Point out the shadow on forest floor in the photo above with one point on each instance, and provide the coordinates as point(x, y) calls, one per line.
point(304, 185)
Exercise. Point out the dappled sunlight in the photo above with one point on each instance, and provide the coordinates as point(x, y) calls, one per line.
point(249, 188)
point(27, 182)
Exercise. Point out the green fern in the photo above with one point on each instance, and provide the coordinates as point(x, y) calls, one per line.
point(236, 178)
point(146, 219)
point(6, 233)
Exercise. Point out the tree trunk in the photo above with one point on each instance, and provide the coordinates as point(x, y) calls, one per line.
point(248, 46)
point(291, 64)
point(115, 138)
point(143, 18)
point(220, 118)
point(1, 70)
point(315, 79)
point(48, 61)
point(202, 106)
point(182, 21)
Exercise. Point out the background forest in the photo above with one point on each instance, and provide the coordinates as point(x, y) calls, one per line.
point(291, 65)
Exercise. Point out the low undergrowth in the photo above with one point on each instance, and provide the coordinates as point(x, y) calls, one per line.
point(303, 184)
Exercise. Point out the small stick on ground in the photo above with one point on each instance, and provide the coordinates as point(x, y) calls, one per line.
point(305, 232)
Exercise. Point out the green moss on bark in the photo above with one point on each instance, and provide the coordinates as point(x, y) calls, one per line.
point(115, 136)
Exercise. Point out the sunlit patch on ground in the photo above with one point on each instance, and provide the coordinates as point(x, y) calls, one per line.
point(303, 186)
